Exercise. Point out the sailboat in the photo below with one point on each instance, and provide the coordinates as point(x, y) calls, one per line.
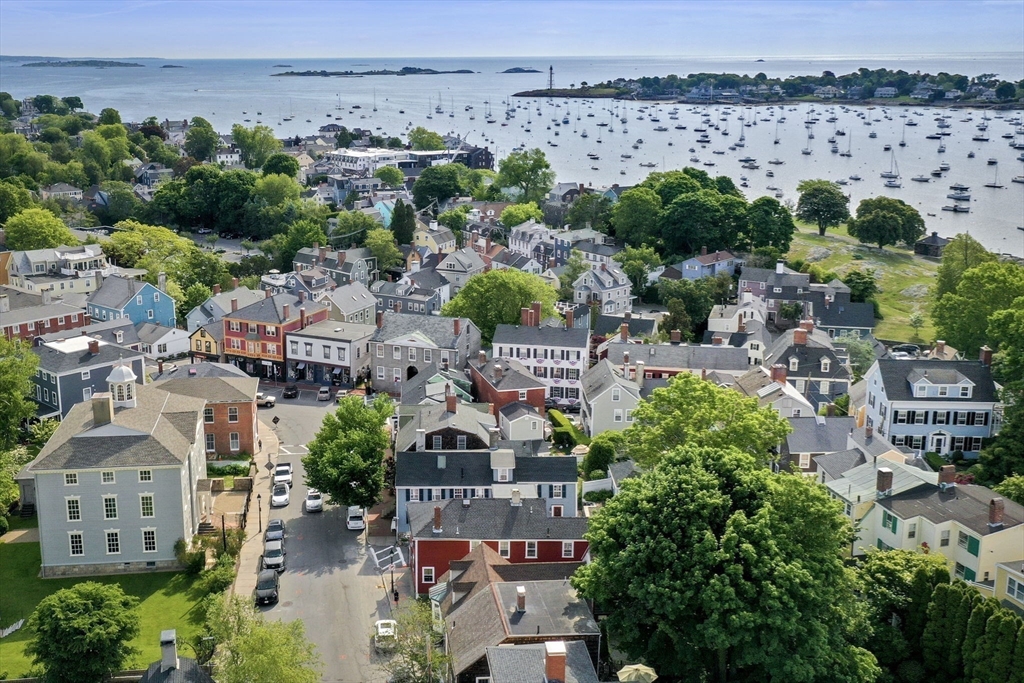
point(776, 131)
point(903, 140)
point(430, 107)
point(894, 170)
point(995, 181)
point(849, 142)
point(375, 99)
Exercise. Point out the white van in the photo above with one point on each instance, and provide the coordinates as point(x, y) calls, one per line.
point(356, 518)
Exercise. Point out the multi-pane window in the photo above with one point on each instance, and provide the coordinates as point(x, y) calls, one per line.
point(208, 415)
point(503, 548)
point(76, 543)
point(211, 443)
point(912, 530)
point(531, 549)
point(944, 539)
point(567, 549)
point(557, 491)
point(428, 575)
point(235, 443)
point(436, 443)
point(380, 350)
point(460, 441)
point(149, 540)
point(327, 351)
point(107, 477)
point(396, 353)
point(961, 539)
point(616, 394)
point(427, 355)
point(146, 503)
point(414, 495)
point(74, 509)
point(232, 414)
point(71, 478)
point(412, 353)
point(109, 507)
point(889, 521)
point(1015, 589)
point(113, 542)
point(295, 348)
point(380, 372)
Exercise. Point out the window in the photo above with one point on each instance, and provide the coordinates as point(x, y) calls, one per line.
point(943, 391)
point(161, 348)
point(414, 495)
point(922, 390)
point(824, 386)
point(1015, 589)
point(436, 443)
point(961, 539)
point(396, 375)
point(71, 478)
point(85, 374)
point(211, 443)
point(271, 331)
point(412, 354)
point(503, 474)
point(235, 444)
point(146, 505)
point(380, 350)
point(145, 475)
point(825, 364)
point(208, 416)
point(428, 575)
point(156, 297)
point(940, 417)
point(801, 385)
point(919, 416)
point(912, 530)
point(805, 460)
point(965, 392)
point(107, 477)
point(341, 353)
point(253, 328)
point(380, 372)
point(427, 354)
point(234, 326)
point(944, 539)
point(979, 418)
point(76, 544)
point(232, 414)
point(567, 549)
point(149, 314)
point(616, 394)
point(149, 540)
point(629, 416)
point(109, 507)
point(522, 395)
point(272, 349)
point(558, 491)
point(503, 548)
point(968, 542)
point(900, 417)
point(138, 300)
point(965, 573)
point(74, 509)
point(460, 441)
point(531, 550)
point(113, 542)
point(396, 353)
point(794, 363)
point(889, 521)
point(961, 418)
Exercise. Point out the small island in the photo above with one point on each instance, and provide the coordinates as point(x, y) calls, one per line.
point(281, 66)
point(520, 70)
point(172, 66)
point(95, 63)
point(404, 71)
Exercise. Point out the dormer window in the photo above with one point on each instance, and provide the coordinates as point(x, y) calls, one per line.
point(943, 391)
point(965, 392)
point(922, 390)
point(793, 364)
point(825, 364)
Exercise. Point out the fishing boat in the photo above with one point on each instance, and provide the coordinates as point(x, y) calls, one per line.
point(959, 187)
point(943, 166)
point(1017, 179)
point(959, 196)
point(957, 208)
point(776, 162)
point(921, 179)
point(893, 183)
point(855, 177)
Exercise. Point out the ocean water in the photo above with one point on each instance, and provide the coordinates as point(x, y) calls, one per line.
point(230, 91)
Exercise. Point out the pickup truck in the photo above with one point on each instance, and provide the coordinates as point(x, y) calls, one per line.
point(265, 400)
point(283, 473)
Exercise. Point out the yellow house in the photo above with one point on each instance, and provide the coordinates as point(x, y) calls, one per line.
point(1008, 586)
point(437, 238)
point(207, 343)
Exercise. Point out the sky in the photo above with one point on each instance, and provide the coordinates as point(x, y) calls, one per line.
point(181, 29)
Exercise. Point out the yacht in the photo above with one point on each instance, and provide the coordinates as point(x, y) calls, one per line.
point(921, 179)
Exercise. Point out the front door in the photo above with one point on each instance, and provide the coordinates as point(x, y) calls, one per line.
point(939, 443)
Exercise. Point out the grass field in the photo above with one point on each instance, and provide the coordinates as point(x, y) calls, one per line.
point(166, 601)
point(905, 284)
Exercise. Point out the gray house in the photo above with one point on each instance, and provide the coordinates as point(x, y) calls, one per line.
point(116, 485)
point(404, 344)
point(73, 370)
point(220, 304)
point(608, 398)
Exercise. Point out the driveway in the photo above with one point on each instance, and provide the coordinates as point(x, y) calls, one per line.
point(330, 582)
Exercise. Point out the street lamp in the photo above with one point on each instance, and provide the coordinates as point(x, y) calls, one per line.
point(259, 511)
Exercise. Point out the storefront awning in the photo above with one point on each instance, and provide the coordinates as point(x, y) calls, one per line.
point(267, 363)
point(337, 371)
point(300, 366)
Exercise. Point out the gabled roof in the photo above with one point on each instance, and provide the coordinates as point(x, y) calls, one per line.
point(462, 469)
point(494, 519)
point(352, 297)
point(187, 671)
point(966, 504)
point(818, 434)
point(516, 410)
point(116, 292)
point(470, 418)
point(218, 305)
point(27, 314)
point(271, 309)
point(72, 354)
point(216, 382)
point(439, 330)
point(430, 384)
point(788, 278)
point(859, 483)
point(608, 325)
point(104, 330)
point(897, 376)
point(839, 463)
point(602, 377)
point(712, 258)
point(514, 376)
point(542, 336)
point(681, 356)
point(525, 663)
point(151, 333)
point(465, 260)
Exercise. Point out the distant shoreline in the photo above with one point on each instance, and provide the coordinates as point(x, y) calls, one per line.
point(82, 63)
point(404, 71)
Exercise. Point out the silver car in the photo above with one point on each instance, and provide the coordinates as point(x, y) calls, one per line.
point(314, 501)
point(273, 555)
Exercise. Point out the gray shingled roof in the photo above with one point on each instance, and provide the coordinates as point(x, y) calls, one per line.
point(271, 309)
point(213, 387)
point(201, 370)
point(473, 468)
point(352, 297)
point(115, 292)
point(895, 374)
point(219, 305)
point(839, 463)
point(440, 330)
point(150, 333)
point(789, 278)
point(27, 314)
point(515, 410)
point(471, 418)
point(69, 355)
point(525, 663)
point(104, 330)
point(514, 375)
point(493, 519)
point(681, 356)
point(966, 504)
point(604, 376)
point(819, 434)
point(576, 338)
point(187, 671)
point(608, 325)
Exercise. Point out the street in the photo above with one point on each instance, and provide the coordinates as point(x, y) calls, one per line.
point(330, 581)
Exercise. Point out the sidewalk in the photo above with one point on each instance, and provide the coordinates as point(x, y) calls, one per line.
point(252, 547)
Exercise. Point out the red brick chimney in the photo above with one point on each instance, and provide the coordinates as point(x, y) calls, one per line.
point(437, 519)
point(499, 371)
point(704, 251)
point(159, 367)
point(807, 324)
point(717, 340)
point(234, 305)
point(267, 294)
point(524, 316)
point(676, 336)
point(947, 476)
point(302, 318)
point(800, 337)
point(536, 313)
point(234, 283)
point(216, 289)
point(457, 326)
point(940, 347)
point(481, 358)
point(569, 319)
point(778, 373)
point(623, 332)
point(869, 432)
point(285, 311)
point(302, 296)
point(883, 482)
point(380, 319)
point(554, 661)
point(995, 512)
point(449, 401)
point(520, 598)
point(94, 346)
point(985, 356)
point(741, 326)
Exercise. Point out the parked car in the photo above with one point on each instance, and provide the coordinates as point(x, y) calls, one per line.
point(290, 391)
point(283, 473)
point(275, 530)
point(314, 501)
point(912, 350)
point(323, 394)
point(340, 396)
point(356, 518)
point(273, 555)
point(204, 231)
point(385, 635)
point(268, 586)
point(279, 498)
point(265, 400)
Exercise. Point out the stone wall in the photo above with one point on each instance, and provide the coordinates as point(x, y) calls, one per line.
point(109, 568)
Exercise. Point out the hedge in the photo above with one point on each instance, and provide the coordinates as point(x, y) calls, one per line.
point(564, 434)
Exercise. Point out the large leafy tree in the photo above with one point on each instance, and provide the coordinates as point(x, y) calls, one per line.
point(403, 221)
point(693, 220)
point(884, 220)
point(575, 266)
point(948, 615)
point(280, 163)
point(592, 208)
point(716, 569)
point(256, 144)
point(417, 657)
point(13, 199)
point(636, 214)
point(962, 317)
point(346, 458)
point(1012, 487)
point(283, 247)
point(1005, 456)
point(37, 229)
point(529, 172)
point(390, 176)
point(822, 203)
point(17, 367)
point(275, 189)
point(497, 297)
point(517, 214)
point(84, 633)
point(769, 224)
point(381, 243)
point(437, 183)
point(637, 263)
point(422, 139)
point(690, 301)
point(352, 228)
point(201, 140)
point(690, 411)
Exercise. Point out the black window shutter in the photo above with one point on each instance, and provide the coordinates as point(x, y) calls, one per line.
point(947, 418)
point(911, 416)
point(540, 491)
point(986, 418)
point(970, 418)
point(408, 495)
point(955, 414)
point(551, 491)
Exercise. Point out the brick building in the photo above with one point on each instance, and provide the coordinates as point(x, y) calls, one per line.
point(501, 382)
point(254, 336)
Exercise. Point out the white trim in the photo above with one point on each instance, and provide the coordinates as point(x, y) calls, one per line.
point(81, 536)
point(106, 541)
point(67, 510)
point(106, 497)
point(155, 546)
point(423, 575)
point(142, 511)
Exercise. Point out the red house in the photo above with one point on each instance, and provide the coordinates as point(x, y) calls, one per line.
point(26, 315)
point(254, 336)
point(518, 529)
point(503, 381)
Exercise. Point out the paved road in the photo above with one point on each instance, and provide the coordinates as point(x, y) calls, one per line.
point(330, 582)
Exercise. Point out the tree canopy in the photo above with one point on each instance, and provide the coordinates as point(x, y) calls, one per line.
point(201, 140)
point(961, 254)
point(822, 203)
point(422, 139)
point(637, 263)
point(403, 222)
point(529, 172)
point(636, 214)
point(963, 317)
point(256, 144)
point(769, 224)
point(884, 220)
point(17, 367)
point(438, 183)
point(381, 243)
point(590, 208)
point(497, 297)
point(517, 214)
point(390, 176)
point(37, 229)
point(280, 163)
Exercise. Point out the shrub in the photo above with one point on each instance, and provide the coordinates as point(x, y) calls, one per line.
point(564, 438)
point(217, 579)
point(192, 560)
point(4, 525)
point(934, 460)
point(227, 470)
point(598, 496)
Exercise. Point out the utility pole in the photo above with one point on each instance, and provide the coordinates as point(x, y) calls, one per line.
point(551, 77)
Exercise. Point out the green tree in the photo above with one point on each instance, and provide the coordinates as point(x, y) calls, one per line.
point(1006, 90)
point(73, 102)
point(862, 355)
point(962, 318)
point(604, 450)
point(252, 649)
point(1005, 456)
point(453, 219)
point(696, 297)
point(195, 294)
point(863, 284)
point(390, 176)
point(636, 215)
point(422, 139)
point(1012, 487)
point(276, 189)
point(201, 140)
point(637, 263)
point(961, 254)
point(13, 199)
point(437, 183)
point(346, 457)
point(1006, 332)
point(280, 163)
point(769, 224)
point(973, 637)
point(122, 203)
point(83, 633)
point(884, 220)
point(284, 246)
point(381, 243)
point(592, 208)
point(109, 116)
point(529, 172)
point(256, 144)
point(37, 229)
point(690, 411)
point(822, 203)
point(693, 220)
point(42, 431)
point(942, 640)
point(353, 226)
point(574, 267)
point(403, 221)
point(417, 657)
point(517, 214)
point(710, 539)
point(994, 660)
point(11, 462)
point(497, 297)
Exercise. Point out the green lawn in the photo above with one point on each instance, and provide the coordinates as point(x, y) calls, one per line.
point(905, 285)
point(166, 601)
point(26, 523)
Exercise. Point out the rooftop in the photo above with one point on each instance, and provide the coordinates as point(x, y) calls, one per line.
point(542, 336)
point(525, 663)
point(965, 504)
point(681, 356)
point(897, 376)
point(494, 519)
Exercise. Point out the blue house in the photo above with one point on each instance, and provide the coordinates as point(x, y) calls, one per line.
point(140, 302)
point(705, 265)
point(386, 209)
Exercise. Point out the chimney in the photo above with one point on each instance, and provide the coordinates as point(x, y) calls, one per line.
point(450, 402)
point(396, 306)
point(995, 512)
point(168, 650)
point(47, 297)
point(807, 325)
point(985, 356)
point(569, 320)
point(159, 367)
point(780, 267)
point(623, 332)
point(604, 266)
point(830, 410)
point(520, 598)
point(676, 336)
point(94, 346)
point(234, 283)
point(498, 371)
point(883, 482)
point(493, 434)
point(536, 313)
point(717, 340)
point(267, 294)
point(800, 337)
point(778, 373)
point(516, 500)
point(216, 289)
point(99, 279)
point(102, 408)
point(704, 251)
point(457, 326)
point(487, 249)
point(481, 358)
point(421, 440)
point(554, 658)
point(947, 477)
point(627, 316)
point(437, 519)
point(285, 310)
point(551, 262)
point(5, 304)
point(703, 373)
point(380, 319)
point(161, 281)
point(869, 432)
point(302, 317)
point(524, 317)
point(940, 347)
point(302, 296)
point(741, 326)
point(640, 374)
point(748, 295)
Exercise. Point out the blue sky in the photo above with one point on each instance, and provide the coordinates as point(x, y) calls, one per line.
point(180, 29)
